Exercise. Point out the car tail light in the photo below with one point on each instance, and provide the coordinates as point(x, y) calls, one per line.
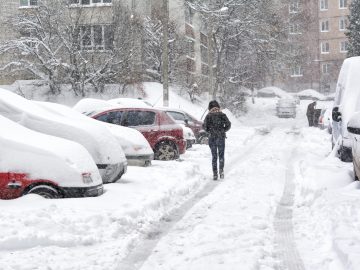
point(86, 177)
point(321, 120)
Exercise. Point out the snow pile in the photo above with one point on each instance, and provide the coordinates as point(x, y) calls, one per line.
point(44, 157)
point(91, 106)
point(273, 92)
point(327, 206)
point(130, 103)
point(310, 94)
point(132, 141)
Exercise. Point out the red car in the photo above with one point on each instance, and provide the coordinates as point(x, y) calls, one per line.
point(14, 185)
point(165, 137)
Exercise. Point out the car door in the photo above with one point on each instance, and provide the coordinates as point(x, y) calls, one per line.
point(144, 121)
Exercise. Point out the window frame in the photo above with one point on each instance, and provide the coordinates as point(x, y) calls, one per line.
point(126, 115)
point(324, 5)
point(294, 6)
point(344, 46)
point(91, 4)
point(296, 71)
point(342, 22)
point(29, 5)
point(325, 26)
point(325, 68)
point(325, 45)
point(343, 4)
point(93, 46)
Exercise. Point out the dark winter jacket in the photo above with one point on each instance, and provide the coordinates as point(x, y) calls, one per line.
point(216, 123)
point(311, 109)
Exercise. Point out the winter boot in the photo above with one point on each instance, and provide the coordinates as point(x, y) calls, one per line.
point(215, 177)
point(221, 174)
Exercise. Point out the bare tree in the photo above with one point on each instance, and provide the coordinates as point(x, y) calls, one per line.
point(57, 44)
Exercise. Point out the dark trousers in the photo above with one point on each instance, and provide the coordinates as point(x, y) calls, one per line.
point(311, 120)
point(217, 147)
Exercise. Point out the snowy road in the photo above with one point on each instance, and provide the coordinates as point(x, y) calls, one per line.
point(231, 226)
point(283, 205)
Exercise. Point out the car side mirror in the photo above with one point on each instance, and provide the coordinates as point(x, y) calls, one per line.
point(336, 115)
point(186, 121)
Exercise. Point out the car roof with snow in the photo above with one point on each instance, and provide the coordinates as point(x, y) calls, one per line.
point(127, 137)
point(43, 156)
point(102, 146)
point(130, 102)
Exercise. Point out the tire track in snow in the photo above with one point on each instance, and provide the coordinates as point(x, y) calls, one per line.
point(283, 224)
point(136, 258)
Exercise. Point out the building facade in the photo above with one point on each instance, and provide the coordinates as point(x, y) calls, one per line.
point(333, 44)
point(317, 41)
point(97, 17)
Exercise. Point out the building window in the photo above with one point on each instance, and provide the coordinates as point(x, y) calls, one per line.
point(324, 4)
point(89, 2)
point(96, 37)
point(325, 47)
point(28, 3)
point(344, 45)
point(324, 26)
point(296, 71)
point(189, 15)
point(204, 53)
point(294, 7)
point(342, 23)
point(191, 48)
point(294, 29)
point(343, 3)
point(325, 68)
point(190, 65)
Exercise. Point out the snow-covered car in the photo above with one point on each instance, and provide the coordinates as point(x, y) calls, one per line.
point(354, 132)
point(136, 148)
point(130, 102)
point(325, 119)
point(286, 108)
point(189, 136)
point(346, 103)
point(35, 163)
point(102, 146)
point(182, 117)
point(165, 137)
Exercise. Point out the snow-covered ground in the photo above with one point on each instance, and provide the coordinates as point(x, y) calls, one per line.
point(172, 216)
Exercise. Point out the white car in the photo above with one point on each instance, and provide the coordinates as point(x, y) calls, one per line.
point(354, 131)
point(189, 136)
point(35, 163)
point(286, 108)
point(102, 146)
point(346, 103)
point(136, 148)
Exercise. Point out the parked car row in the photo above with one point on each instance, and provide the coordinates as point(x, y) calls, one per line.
point(55, 151)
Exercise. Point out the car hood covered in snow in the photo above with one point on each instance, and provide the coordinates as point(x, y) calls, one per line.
point(102, 146)
point(131, 140)
point(44, 157)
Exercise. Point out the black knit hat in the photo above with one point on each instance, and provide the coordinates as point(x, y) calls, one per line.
point(213, 104)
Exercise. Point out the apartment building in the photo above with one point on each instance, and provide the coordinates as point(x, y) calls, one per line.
point(97, 17)
point(318, 44)
point(333, 44)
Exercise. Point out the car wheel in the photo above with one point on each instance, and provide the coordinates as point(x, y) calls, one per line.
point(147, 163)
point(356, 178)
point(345, 154)
point(166, 151)
point(45, 191)
point(204, 140)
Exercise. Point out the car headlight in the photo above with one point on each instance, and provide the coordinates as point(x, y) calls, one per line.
point(86, 177)
point(111, 170)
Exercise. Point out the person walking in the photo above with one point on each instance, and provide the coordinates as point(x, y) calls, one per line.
point(310, 113)
point(216, 123)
